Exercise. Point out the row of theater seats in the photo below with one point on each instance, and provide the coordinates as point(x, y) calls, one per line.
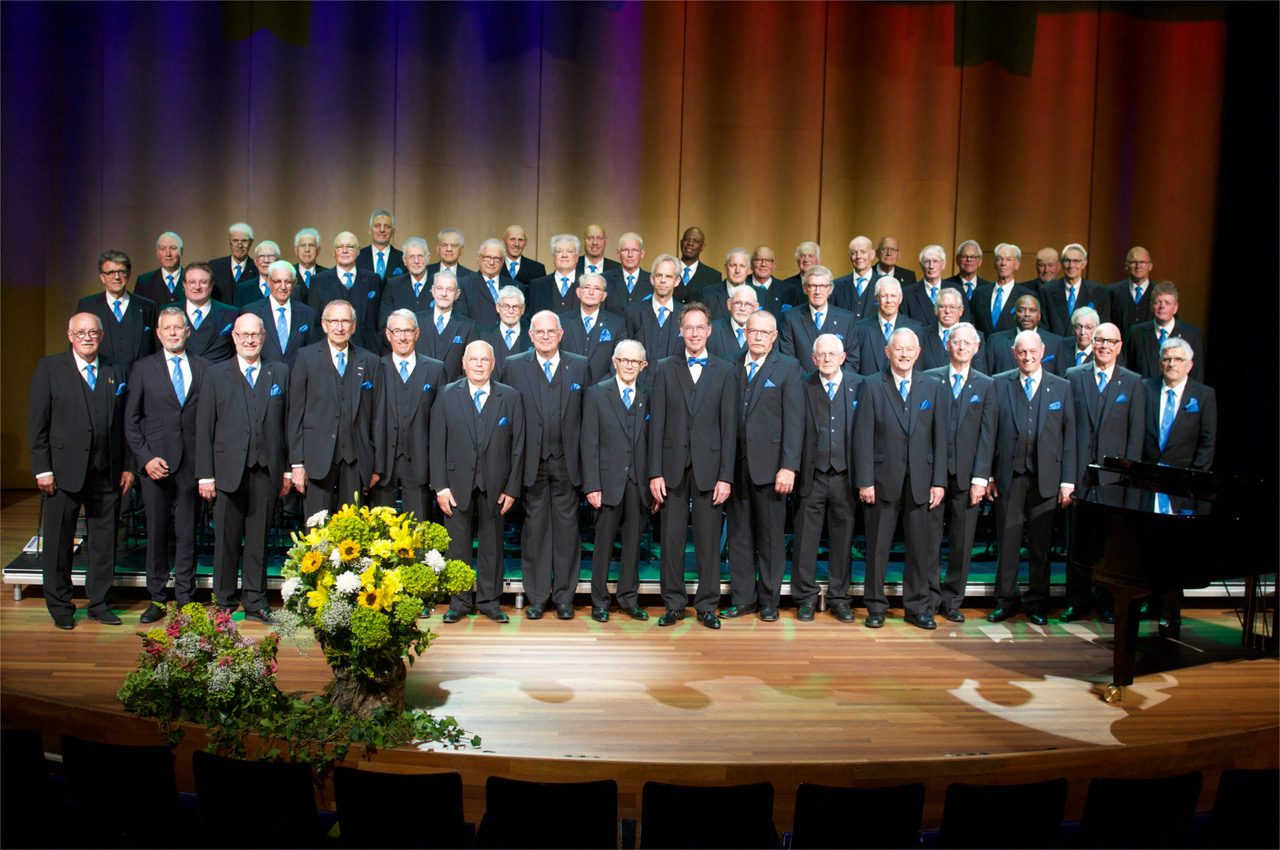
point(127, 796)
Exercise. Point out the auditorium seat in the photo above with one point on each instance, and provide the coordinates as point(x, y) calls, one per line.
point(31, 815)
point(524, 814)
point(1244, 812)
point(362, 797)
point(107, 784)
point(831, 816)
point(257, 803)
point(1028, 815)
point(1139, 812)
point(700, 816)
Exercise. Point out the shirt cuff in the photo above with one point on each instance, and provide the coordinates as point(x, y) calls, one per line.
point(1068, 486)
point(40, 475)
point(443, 492)
point(205, 481)
point(980, 482)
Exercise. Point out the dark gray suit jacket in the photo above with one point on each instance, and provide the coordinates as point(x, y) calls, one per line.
point(522, 372)
point(222, 422)
point(365, 296)
point(1194, 433)
point(797, 333)
point(59, 430)
point(1110, 423)
point(155, 425)
point(314, 407)
point(870, 341)
point(971, 443)
point(611, 452)
point(1054, 431)
point(447, 347)
point(462, 440)
point(409, 424)
point(693, 426)
point(817, 406)
point(905, 441)
point(772, 416)
point(606, 332)
point(304, 329)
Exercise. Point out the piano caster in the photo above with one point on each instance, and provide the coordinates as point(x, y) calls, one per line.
point(1113, 693)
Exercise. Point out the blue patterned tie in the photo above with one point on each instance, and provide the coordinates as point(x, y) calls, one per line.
point(631, 282)
point(382, 265)
point(697, 361)
point(831, 390)
point(513, 270)
point(1102, 382)
point(662, 316)
point(510, 336)
point(93, 378)
point(493, 291)
point(1029, 388)
point(404, 371)
point(1137, 294)
point(546, 370)
point(179, 386)
point(169, 283)
point(888, 329)
point(115, 308)
point(626, 397)
point(342, 363)
point(564, 286)
point(248, 375)
point(902, 389)
point(741, 339)
point(817, 319)
point(477, 399)
point(862, 285)
point(956, 380)
point(440, 325)
point(1166, 420)
point(350, 282)
point(196, 319)
point(996, 305)
point(933, 294)
point(586, 324)
point(684, 277)
point(751, 370)
point(282, 329)
point(1071, 300)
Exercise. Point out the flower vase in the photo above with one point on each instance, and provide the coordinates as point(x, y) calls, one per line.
point(360, 697)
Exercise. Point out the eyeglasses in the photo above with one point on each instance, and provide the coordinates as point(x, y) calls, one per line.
point(478, 359)
point(268, 256)
point(115, 273)
point(248, 335)
point(1173, 360)
point(510, 306)
point(1098, 340)
point(235, 241)
point(817, 286)
point(970, 257)
point(82, 335)
point(626, 361)
point(339, 322)
point(1068, 261)
point(402, 332)
point(759, 332)
point(697, 329)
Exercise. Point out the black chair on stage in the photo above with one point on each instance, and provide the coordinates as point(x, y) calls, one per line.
point(1244, 812)
point(1139, 812)
point(123, 795)
point(831, 816)
point(31, 815)
point(256, 803)
point(436, 799)
point(993, 816)
point(549, 814)
point(699, 816)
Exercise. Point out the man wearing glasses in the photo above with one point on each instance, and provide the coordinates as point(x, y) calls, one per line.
point(257, 286)
point(230, 270)
point(75, 426)
point(128, 321)
point(802, 326)
point(511, 334)
point(1129, 300)
point(360, 288)
point(888, 254)
point(1061, 298)
point(934, 349)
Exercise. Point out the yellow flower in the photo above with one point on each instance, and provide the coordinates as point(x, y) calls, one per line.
point(313, 537)
point(328, 580)
point(349, 550)
point(311, 562)
point(316, 598)
point(369, 597)
point(369, 578)
point(404, 546)
point(381, 549)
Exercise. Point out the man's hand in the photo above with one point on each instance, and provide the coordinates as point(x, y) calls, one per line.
point(867, 494)
point(936, 495)
point(594, 499)
point(286, 486)
point(300, 479)
point(720, 495)
point(47, 484)
point(785, 481)
point(373, 481)
point(658, 489)
point(992, 495)
point(208, 491)
point(976, 492)
point(156, 468)
point(126, 483)
point(505, 502)
point(1064, 495)
point(444, 500)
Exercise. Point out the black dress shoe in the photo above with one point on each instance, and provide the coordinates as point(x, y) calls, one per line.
point(843, 613)
point(600, 615)
point(953, 614)
point(670, 618)
point(564, 612)
point(153, 614)
point(453, 615)
point(769, 614)
point(1001, 614)
point(107, 617)
point(1072, 613)
point(921, 621)
point(805, 613)
point(1037, 618)
point(67, 622)
point(497, 615)
point(262, 615)
point(426, 613)
point(874, 621)
point(636, 613)
point(533, 612)
point(1106, 615)
point(709, 619)
point(739, 611)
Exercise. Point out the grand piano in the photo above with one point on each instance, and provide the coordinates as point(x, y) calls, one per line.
point(1217, 528)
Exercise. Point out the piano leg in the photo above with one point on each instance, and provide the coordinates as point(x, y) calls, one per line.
point(1127, 600)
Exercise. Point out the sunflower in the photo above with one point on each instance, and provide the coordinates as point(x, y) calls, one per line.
point(349, 550)
point(311, 562)
point(369, 597)
point(404, 547)
point(318, 597)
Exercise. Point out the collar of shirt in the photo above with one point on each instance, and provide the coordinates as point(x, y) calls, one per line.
point(751, 359)
point(598, 263)
point(81, 363)
point(342, 274)
point(1178, 390)
point(572, 274)
point(1107, 371)
point(1036, 377)
point(245, 364)
point(594, 316)
point(422, 280)
point(898, 379)
point(124, 302)
point(437, 313)
point(333, 353)
point(622, 385)
point(882, 318)
point(301, 268)
point(554, 361)
point(969, 280)
point(443, 268)
point(1003, 286)
point(384, 253)
point(1086, 351)
point(1169, 327)
point(952, 371)
point(701, 354)
point(763, 284)
point(883, 273)
point(507, 261)
point(668, 304)
point(826, 312)
point(398, 360)
point(205, 309)
point(504, 327)
point(471, 391)
point(1133, 286)
point(735, 327)
point(692, 267)
point(839, 379)
point(497, 284)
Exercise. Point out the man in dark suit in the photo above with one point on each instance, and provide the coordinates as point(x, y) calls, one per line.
point(1048, 267)
point(992, 306)
point(163, 286)
point(290, 326)
point(477, 464)
point(409, 291)
point(888, 253)
point(1060, 298)
point(1110, 408)
point(1035, 469)
point(615, 446)
point(359, 288)
point(971, 438)
point(652, 322)
point(904, 428)
point(523, 270)
point(873, 331)
point(337, 416)
point(411, 382)
point(856, 291)
point(128, 321)
point(556, 291)
point(692, 447)
point(306, 246)
point(728, 337)
point(627, 283)
point(692, 275)
point(594, 242)
point(770, 432)
point(228, 271)
point(510, 335)
point(737, 268)
point(1084, 321)
point(590, 331)
point(1130, 299)
point(75, 428)
point(445, 333)
point(801, 326)
point(825, 484)
point(481, 289)
point(449, 245)
point(808, 255)
point(550, 383)
point(934, 353)
point(209, 321)
point(969, 260)
point(1142, 344)
point(1026, 312)
point(255, 287)
point(919, 300)
point(160, 426)
point(775, 295)
point(380, 256)
point(241, 467)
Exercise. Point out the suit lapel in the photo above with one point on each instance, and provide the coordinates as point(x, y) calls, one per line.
point(686, 381)
point(493, 407)
point(762, 374)
point(895, 399)
point(355, 382)
point(1093, 399)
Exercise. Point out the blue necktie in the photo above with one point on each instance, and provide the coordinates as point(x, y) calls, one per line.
point(513, 271)
point(1071, 300)
point(817, 319)
point(417, 289)
point(382, 265)
point(493, 291)
point(662, 316)
point(1080, 356)
point(697, 361)
point(282, 329)
point(888, 329)
point(169, 282)
point(350, 281)
point(239, 270)
point(1164, 334)
point(946, 335)
point(1102, 381)
point(115, 308)
point(831, 390)
point(902, 389)
point(93, 378)
point(862, 285)
point(306, 279)
point(564, 286)
point(1166, 420)
point(179, 386)
point(196, 319)
point(956, 380)
point(933, 294)
point(684, 277)
point(546, 370)
point(404, 371)
point(968, 291)
point(265, 291)
point(248, 374)
point(751, 369)
point(626, 397)
point(631, 282)
point(996, 305)
point(477, 398)
point(1030, 388)
point(586, 323)
point(1137, 294)
point(342, 363)
point(510, 336)
point(440, 325)
point(741, 339)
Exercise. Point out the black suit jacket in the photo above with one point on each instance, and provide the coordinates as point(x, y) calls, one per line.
point(249, 290)
point(365, 297)
point(304, 329)
point(1058, 352)
point(544, 294)
point(972, 434)
point(693, 427)
point(817, 409)
point(59, 430)
point(870, 341)
point(522, 372)
point(461, 273)
point(395, 261)
point(844, 294)
point(398, 295)
point(905, 441)
point(449, 346)
point(302, 289)
point(480, 305)
point(409, 423)
point(527, 271)
point(494, 335)
point(917, 305)
point(153, 287)
point(1110, 423)
point(772, 424)
point(155, 424)
point(463, 440)
point(705, 276)
point(956, 283)
point(1141, 350)
point(129, 339)
point(1054, 314)
point(780, 296)
point(1194, 433)
point(658, 341)
point(314, 408)
point(1054, 431)
point(615, 441)
point(906, 277)
point(223, 425)
point(933, 354)
point(617, 298)
point(722, 341)
point(224, 282)
point(798, 332)
point(212, 340)
point(1124, 313)
point(600, 268)
point(606, 332)
point(716, 297)
point(981, 308)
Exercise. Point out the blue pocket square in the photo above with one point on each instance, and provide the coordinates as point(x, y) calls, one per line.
point(974, 398)
point(226, 331)
point(785, 308)
point(275, 389)
point(366, 386)
point(838, 336)
point(457, 340)
point(373, 295)
point(1191, 406)
point(1055, 405)
point(1091, 306)
point(575, 386)
point(769, 383)
point(853, 405)
point(120, 389)
point(502, 421)
point(1047, 359)
point(925, 405)
point(605, 336)
point(304, 329)
point(1121, 397)
point(426, 387)
point(646, 416)
point(146, 329)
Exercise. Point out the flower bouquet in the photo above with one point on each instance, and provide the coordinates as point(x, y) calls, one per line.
point(360, 579)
